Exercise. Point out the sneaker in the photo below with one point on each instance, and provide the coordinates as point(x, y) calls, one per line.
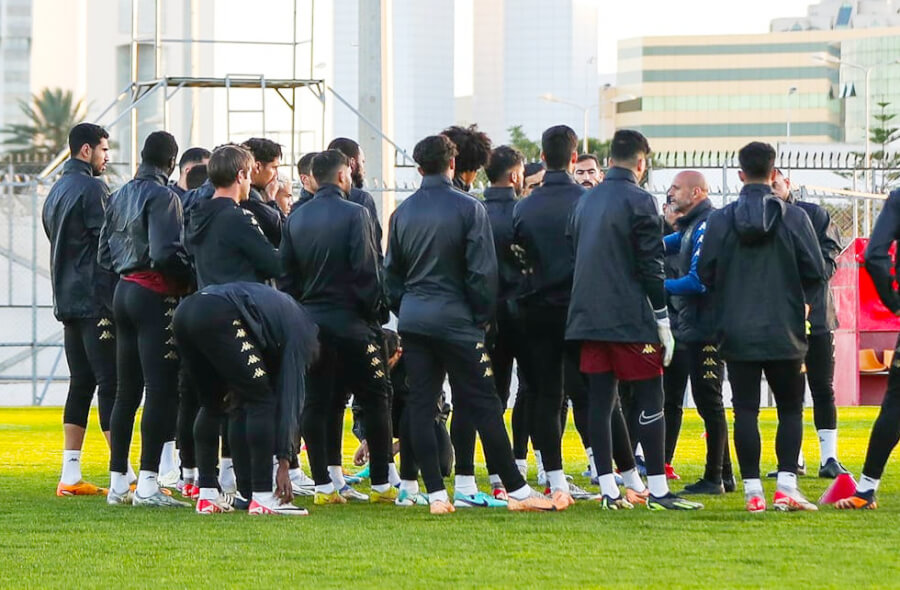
point(321, 499)
point(218, 506)
point(536, 502)
point(82, 488)
point(479, 500)
point(705, 487)
point(729, 484)
point(363, 473)
point(670, 472)
point(170, 479)
point(579, 493)
point(237, 501)
point(303, 485)
point(858, 501)
point(159, 499)
point(641, 466)
point(190, 491)
point(259, 509)
point(350, 493)
point(791, 501)
point(561, 500)
point(114, 499)
point(635, 497)
point(499, 493)
point(441, 507)
point(404, 498)
point(620, 503)
point(756, 503)
point(832, 469)
point(387, 497)
point(671, 502)
point(351, 479)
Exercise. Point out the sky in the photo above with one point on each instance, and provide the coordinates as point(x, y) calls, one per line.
point(619, 20)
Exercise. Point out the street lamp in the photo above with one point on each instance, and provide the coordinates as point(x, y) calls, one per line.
point(791, 91)
point(584, 109)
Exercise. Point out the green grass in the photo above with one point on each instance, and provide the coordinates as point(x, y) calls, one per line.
point(47, 541)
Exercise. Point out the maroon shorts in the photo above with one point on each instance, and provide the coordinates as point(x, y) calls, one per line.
point(628, 361)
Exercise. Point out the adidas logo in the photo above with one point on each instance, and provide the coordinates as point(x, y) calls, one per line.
point(710, 375)
point(710, 348)
point(252, 359)
point(648, 349)
point(103, 323)
point(370, 349)
point(375, 361)
point(171, 356)
point(240, 333)
point(485, 358)
point(245, 346)
point(106, 335)
point(488, 372)
point(709, 362)
point(258, 373)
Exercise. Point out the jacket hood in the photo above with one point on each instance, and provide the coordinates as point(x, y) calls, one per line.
point(202, 216)
point(757, 213)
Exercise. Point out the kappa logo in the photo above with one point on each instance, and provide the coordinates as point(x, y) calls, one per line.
point(258, 373)
point(710, 348)
point(710, 375)
point(479, 345)
point(485, 358)
point(252, 359)
point(379, 373)
point(170, 342)
point(240, 333)
point(170, 312)
point(103, 323)
point(236, 323)
point(644, 419)
point(170, 300)
point(648, 349)
point(375, 361)
point(171, 356)
point(709, 362)
point(106, 335)
point(370, 349)
point(489, 372)
point(245, 346)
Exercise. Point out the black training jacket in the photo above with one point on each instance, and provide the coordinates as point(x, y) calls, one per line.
point(694, 318)
point(72, 218)
point(331, 266)
point(143, 227)
point(361, 197)
point(540, 222)
point(194, 197)
point(270, 218)
point(440, 267)
point(304, 198)
point(227, 245)
point(286, 334)
point(500, 203)
point(616, 232)
point(878, 258)
point(762, 262)
point(822, 316)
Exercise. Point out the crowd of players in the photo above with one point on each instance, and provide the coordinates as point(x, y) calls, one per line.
point(246, 320)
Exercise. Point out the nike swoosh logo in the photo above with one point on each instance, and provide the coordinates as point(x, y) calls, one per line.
point(644, 419)
point(482, 503)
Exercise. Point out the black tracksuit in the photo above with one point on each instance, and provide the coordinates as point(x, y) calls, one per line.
point(762, 262)
point(441, 280)
point(330, 259)
point(141, 236)
point(540, 223)
point(269, 217)
point(886, 430)
point(82, 290)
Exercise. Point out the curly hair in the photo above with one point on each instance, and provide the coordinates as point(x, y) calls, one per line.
point(473, 146)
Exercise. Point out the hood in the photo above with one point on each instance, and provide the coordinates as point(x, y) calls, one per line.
point(757, 213)
point(202, 217)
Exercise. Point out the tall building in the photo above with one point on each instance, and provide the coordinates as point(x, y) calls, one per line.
point(15, 56)
point(842, 14)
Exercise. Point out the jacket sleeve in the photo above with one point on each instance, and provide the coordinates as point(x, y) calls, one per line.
point(646, 232)
point(878, 258)
point(809, 255)
point(690, 284)
point(94, 207)
point(104, 257)
point(287, 282)
point(165, 226)
point(364, 265)
point(481, 266)
point(712, 245)
point(255, 246)
point(376, 226)
point(829, 240)
point(394, 268)
point(672, 243)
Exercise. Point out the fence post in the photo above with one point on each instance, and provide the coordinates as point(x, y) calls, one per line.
point(10, 196)
point(34, 335)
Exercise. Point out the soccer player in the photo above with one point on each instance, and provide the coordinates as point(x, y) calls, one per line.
point(247, 347)
point(267, 157)
point(823, 321)
point(141, 241)
point(330, 255)
point(190, 159)
point(587, 171)
point(618, 313)
point(441, 280)
point(534, 176)
point(307, 180)
point(695, 331)
point(886, 430)
point(357, 195)
point(82, 295)
point(762, 261)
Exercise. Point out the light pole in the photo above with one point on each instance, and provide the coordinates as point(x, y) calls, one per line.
point(791, 91)
point(584, 110)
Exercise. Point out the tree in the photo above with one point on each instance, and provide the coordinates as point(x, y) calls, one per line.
point(518, 139)
point(48, 121)
point(885, 164)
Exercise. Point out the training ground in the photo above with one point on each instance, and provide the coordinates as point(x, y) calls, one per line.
point(78, 543)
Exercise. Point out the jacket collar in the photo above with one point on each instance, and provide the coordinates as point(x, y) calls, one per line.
point(757, 190)
point(76, 166)
point(150, 172)
point(255, 195)
point(499, 193)
point(458, 183)
point(433, 180)
point(329, 190)
point(557, 177)
point(618, 173)
point(687, 219)
point(305, 195)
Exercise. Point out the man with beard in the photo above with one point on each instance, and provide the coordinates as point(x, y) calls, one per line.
point(587, 171)
point(267, 156)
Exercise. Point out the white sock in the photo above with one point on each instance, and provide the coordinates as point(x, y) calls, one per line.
point(639, 451)
point(147, 485)
point(801, 462)
point(658, 485)
point(465, 484)
point(187, 475)
point(226, 473)
point(167, 460)
point(557, 480)
point(753, 487)
point(295, 473)
point(495, 480)
point(381, 487)
point(119, 482)
point(411, 487)
point(542, 475)
point(787, 480)
point(393, 475)
point(132, 476)
point(591, 466)
point(522, 493)
point(632, 480)
point(264, 498)
point(327, 488)
point(608, 485)
point(827, 445)
point(71, 470)
point(867, 484)
point(440, 496)
point(209, 493)
point(336, 473)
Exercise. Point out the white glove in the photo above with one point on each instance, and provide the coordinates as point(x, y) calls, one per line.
point(664, 330)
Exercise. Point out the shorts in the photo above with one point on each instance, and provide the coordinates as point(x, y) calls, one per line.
point(628, 361)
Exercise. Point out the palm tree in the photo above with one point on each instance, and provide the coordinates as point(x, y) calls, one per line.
point(48, 121)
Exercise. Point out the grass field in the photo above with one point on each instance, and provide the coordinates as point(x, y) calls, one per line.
point(47, 541)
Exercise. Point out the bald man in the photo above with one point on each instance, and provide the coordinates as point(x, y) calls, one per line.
point(694, 328)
